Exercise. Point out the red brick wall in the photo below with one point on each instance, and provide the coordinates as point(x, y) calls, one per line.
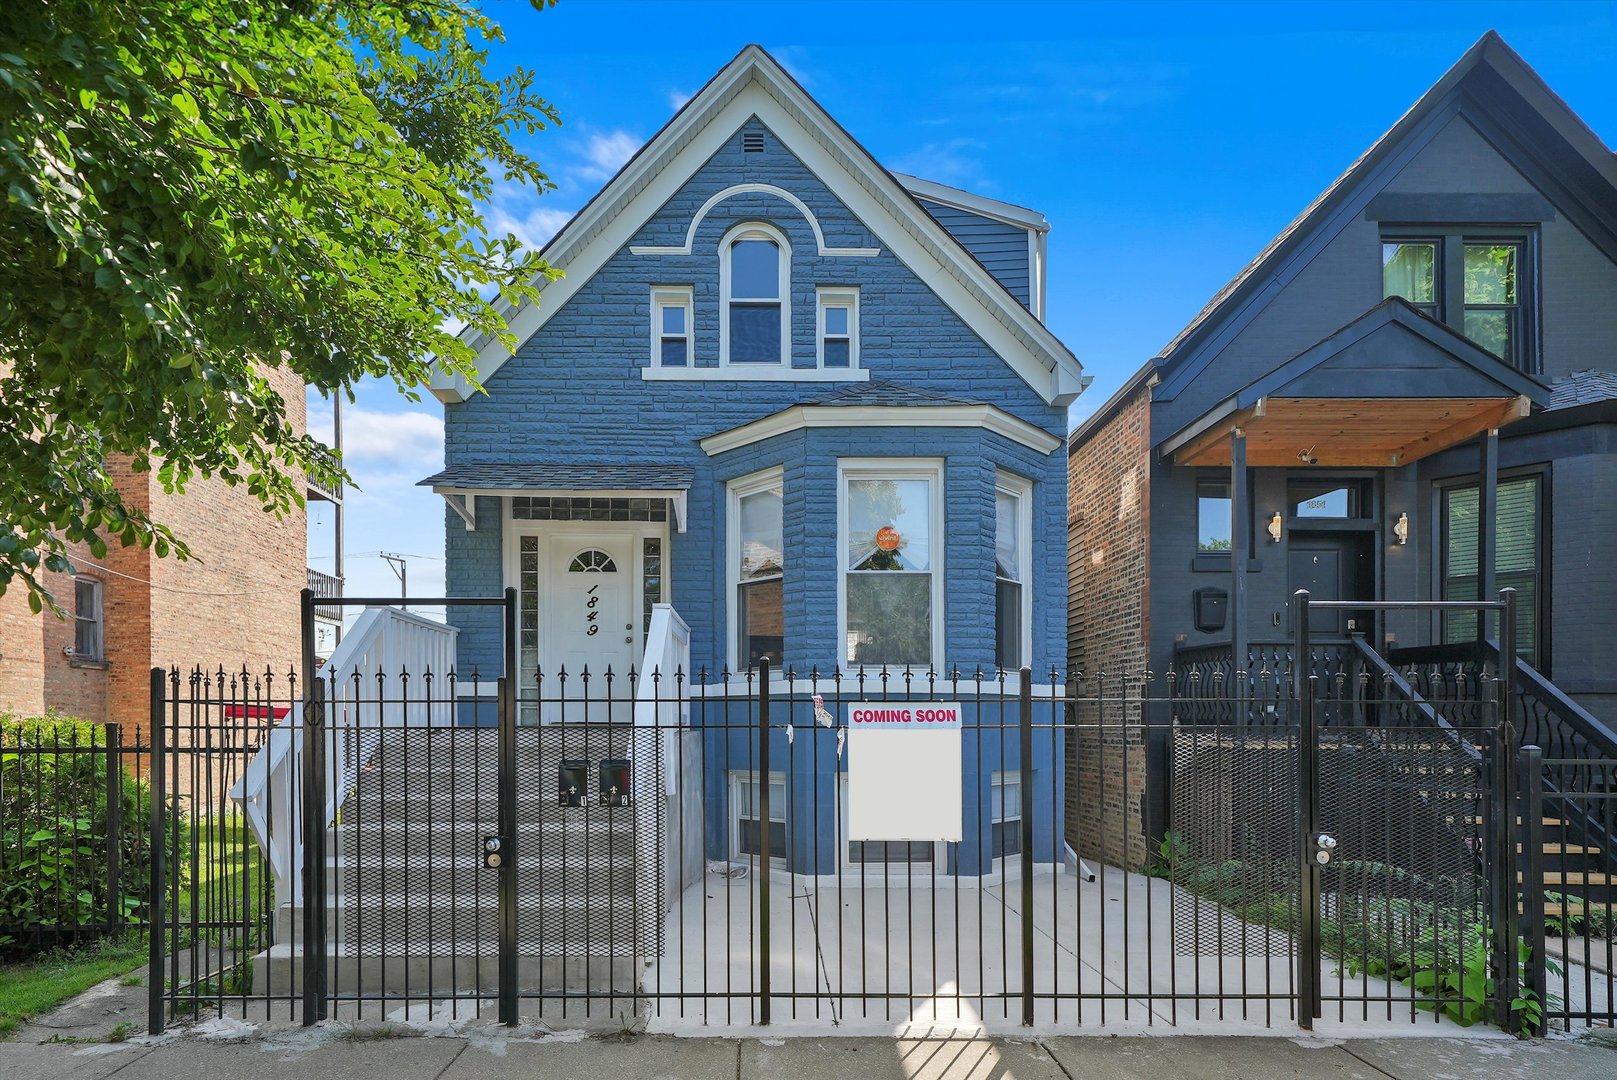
point(1108, 548)
point(234, 602)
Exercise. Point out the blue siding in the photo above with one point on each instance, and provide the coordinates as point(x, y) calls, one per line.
point(574, 393)
point(1001, 248)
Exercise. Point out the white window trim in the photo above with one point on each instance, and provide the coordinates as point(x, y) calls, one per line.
point(738, 489)
point(839, 296)
point(98, 618)
point(755, 230)
point(1004, 778)
point(929, 469)
point(1021, 489)
point(733, 782)
point(513, 529)
point(672, 296)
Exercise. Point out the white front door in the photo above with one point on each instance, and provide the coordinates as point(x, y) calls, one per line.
point(587, 617)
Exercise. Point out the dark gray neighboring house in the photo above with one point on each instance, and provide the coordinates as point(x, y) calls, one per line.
point(1436, 332)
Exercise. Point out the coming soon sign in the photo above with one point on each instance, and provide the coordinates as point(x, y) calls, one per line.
point(904, 771)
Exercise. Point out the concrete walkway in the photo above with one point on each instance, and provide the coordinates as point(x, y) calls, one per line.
point(72, 1043)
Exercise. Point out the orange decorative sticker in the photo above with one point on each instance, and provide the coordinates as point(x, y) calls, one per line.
point(887, 538)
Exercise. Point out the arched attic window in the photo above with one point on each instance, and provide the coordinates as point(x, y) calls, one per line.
point(755, 266)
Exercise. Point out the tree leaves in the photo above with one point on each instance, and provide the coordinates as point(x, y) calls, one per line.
point(197, 191)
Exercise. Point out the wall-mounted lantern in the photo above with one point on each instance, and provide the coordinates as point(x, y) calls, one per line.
point(1400, 530)
point(1274, 528)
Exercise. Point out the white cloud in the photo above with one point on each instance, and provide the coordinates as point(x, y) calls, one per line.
point(953, 162)
point(396, 441)
point(518, 211)
point(677, 99)
point(605, 154)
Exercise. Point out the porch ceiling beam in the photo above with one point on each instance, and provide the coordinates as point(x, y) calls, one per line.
point(1468, 428)
point(463, 505)
point(1216, 434)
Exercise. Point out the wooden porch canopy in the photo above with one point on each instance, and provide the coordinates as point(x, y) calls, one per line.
point(1390, 388)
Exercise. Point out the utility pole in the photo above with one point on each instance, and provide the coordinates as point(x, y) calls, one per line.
point(401, 570)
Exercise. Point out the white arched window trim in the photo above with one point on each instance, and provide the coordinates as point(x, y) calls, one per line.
point(756, 230)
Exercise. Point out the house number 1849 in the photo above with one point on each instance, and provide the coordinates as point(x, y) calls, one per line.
point(591, 614)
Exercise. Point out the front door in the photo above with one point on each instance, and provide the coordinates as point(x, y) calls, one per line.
point(1334, 567)
point(589, 623)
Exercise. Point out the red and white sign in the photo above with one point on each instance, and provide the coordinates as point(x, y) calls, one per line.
point(905, 777)
point(884, 716)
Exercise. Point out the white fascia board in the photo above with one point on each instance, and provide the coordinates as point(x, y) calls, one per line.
point(971, 202)
point(988, 417)
point(749, 89)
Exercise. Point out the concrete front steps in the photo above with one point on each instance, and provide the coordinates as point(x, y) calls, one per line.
point(410, 905)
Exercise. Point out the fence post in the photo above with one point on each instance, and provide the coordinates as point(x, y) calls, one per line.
point(507, 790)
point(1028, 801)
point(157, 777)
point(1507, 957)
point(1530, 804)
point(764, 840)
point(115, 827)
point(314, 868)
point(1302, 674)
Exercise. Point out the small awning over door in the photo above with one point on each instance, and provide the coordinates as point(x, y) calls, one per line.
point(459, 484)
point(1392, 387)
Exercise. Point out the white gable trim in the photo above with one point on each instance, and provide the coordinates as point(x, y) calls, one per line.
point(753, 85)
point(766, 189)
point(798, 417)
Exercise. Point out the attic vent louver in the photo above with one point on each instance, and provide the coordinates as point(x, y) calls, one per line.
point(752, 142)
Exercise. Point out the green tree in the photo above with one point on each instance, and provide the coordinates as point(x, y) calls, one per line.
point(197, 191)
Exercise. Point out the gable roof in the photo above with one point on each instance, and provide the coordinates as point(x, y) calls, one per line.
point(1390, 387)
point(754, 84)
point(1479, 83)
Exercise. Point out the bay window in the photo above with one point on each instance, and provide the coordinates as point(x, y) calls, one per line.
point(757, 568)
point(890, 538)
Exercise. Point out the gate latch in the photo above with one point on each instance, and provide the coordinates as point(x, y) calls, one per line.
point(493, 852)
point(1324, 845)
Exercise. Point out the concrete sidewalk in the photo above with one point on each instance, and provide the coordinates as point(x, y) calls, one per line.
point(77, 1041)
point(492, 1054)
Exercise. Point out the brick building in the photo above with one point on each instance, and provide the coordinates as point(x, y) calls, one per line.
point(234, 603)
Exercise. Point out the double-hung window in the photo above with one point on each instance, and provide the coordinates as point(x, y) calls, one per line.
point(88, 628)
point(1013, 541)
point(1005, 809)
point(757, 561)
point(671, 327)
point(1518, 559)
point(839, 328)
point(746, 815)
point(754, 273)
point(890, 539)
point(1476, 281)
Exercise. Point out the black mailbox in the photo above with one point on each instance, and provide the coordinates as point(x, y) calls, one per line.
point(572, 781)
point(1212, 609)
point(614, 782)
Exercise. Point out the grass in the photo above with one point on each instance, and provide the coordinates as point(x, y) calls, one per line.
point(29, 988)
point(229, 868)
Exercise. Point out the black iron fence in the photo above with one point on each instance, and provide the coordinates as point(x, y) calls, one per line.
point(690, 849)
point(74, 845)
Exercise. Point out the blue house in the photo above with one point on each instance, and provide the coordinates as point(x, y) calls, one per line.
point(807, 403)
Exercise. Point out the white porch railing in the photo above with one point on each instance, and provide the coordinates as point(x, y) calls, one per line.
point(383, 643)
point(662, 703)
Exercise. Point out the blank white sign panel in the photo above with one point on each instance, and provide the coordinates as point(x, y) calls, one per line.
point(904, 771)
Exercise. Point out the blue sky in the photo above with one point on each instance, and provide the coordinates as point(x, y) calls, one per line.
point(1166, 144)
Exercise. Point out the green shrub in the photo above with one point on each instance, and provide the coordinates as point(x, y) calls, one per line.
point(54, 842)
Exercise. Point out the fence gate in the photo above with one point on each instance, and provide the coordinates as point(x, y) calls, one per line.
point(1408, 847)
